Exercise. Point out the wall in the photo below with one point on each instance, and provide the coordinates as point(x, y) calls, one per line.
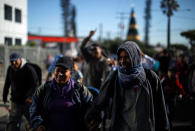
point(11, 28)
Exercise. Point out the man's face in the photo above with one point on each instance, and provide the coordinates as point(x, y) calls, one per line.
point(124, 60)
point(62, 75)
point(169, 74)
point(16, 64)
point(96, 52)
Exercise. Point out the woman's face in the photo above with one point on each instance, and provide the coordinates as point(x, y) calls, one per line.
point(62, 75)
point(124, 60)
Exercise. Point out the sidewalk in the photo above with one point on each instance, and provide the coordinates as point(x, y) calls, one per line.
point(3, 116)
point(3, 111)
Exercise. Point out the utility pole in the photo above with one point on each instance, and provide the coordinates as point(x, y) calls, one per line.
point(121, 25)
point(68, 17)
point(147, 20)
point(101, 32)
point(73, 22)
point(65, 4)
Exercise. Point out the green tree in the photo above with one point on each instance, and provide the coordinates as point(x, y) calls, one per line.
point(190, 34)
point(168, 7)
point(112, 45)
point(177, 46)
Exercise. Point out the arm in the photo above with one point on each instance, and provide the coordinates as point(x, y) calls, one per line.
point(36, 119)
point(48, 77)
point(160, 112)
point(148, 62)
point(6, 86)
point(33, 81)
point(102, 100)
point(85, 94)
point(180, 87)
point(105, 72)
point(84, 49)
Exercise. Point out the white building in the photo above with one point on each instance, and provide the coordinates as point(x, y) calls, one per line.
point(13, 22)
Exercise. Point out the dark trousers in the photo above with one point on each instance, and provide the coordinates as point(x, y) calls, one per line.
point(15, 117)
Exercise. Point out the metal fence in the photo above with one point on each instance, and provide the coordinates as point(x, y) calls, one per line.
point(34, 54)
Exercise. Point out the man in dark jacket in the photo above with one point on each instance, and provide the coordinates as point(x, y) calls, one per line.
point(97, 68)
point(136, 95)
point(23, 80)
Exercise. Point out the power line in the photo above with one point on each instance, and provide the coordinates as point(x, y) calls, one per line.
point(121, 24)
point(184, 17)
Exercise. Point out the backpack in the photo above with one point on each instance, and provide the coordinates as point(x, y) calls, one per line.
point(94, 91)
point(38, 72)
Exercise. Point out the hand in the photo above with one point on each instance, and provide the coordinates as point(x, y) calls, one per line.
point(180, 96)
point(92, 32)
point(92, 125)
point(41, 128)
point(142, 53)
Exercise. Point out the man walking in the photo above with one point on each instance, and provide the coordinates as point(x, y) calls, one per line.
point(23, 80)
point(98, 68)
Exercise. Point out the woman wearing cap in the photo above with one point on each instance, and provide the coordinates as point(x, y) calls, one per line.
point(59, 104)
point(136, 96)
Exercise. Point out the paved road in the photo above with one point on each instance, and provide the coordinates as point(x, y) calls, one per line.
point(3, 110)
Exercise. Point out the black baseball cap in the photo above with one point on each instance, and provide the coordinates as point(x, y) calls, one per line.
point(66, 62)
point(93, 46)
point(14, 56)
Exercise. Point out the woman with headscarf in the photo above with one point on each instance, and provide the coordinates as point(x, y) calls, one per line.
point(136, 95)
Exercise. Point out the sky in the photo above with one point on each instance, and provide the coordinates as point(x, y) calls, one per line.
point(45, 18)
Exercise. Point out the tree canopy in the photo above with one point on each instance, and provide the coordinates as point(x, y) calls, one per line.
point(190, 34)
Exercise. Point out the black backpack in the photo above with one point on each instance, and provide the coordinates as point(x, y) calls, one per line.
point(38, 72)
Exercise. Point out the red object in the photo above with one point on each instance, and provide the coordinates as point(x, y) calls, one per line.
point(179, 85)
point(46, 39)
point(7, 109)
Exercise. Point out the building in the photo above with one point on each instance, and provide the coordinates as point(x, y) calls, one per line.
point(13, 22)
point(67, 45)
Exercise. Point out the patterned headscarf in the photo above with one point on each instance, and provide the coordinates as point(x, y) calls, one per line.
point(135, 70)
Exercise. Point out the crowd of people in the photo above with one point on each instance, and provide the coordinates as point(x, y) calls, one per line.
point(130, 92)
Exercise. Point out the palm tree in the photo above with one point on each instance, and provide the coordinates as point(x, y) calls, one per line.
point(168, 6)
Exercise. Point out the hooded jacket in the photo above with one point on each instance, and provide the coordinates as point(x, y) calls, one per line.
point(23, 82)
point(151, 114)
point(43, 96)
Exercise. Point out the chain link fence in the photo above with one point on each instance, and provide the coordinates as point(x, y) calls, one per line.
point(36, 55)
